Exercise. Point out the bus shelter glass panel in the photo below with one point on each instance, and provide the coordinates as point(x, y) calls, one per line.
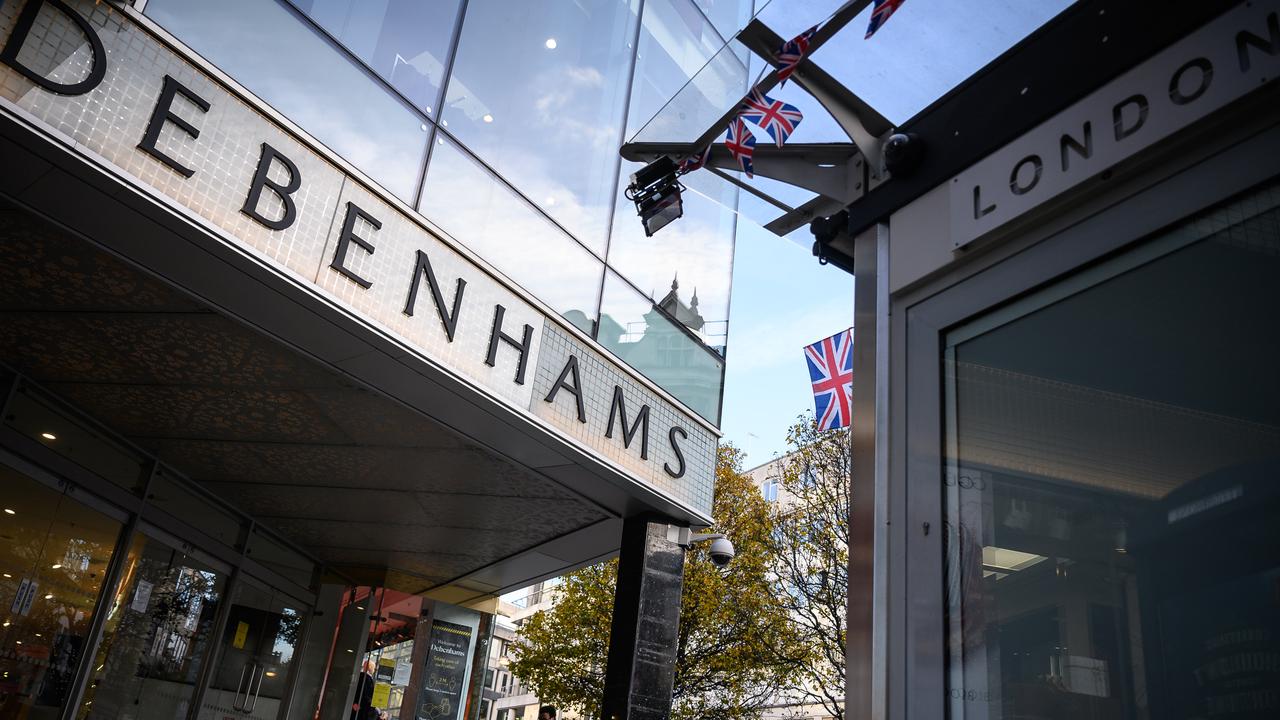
point(256, 652)
point(157, 635)
point(1113, 481)
point(53, 556)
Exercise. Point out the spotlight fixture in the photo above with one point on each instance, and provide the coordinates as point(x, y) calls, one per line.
point(656, 192)
point(48, 436)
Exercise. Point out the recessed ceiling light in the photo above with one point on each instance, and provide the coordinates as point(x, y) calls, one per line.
point(10, 512)
point(487, 118)
point(270, 673)
point(8, 575)
point(550, 43)
point(48, 597)
point(48, 436)
point(57, 565)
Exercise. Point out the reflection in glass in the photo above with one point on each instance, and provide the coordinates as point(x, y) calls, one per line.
point(1113, 482)
point(469, 203)
point(53, 558)
point(688, 265)
point(273, 53)
point(676, 41)
point(156, 637)
point(648, 341)
point(387, 664)
point(728, 16)
point(404, 41)
point(538, 93)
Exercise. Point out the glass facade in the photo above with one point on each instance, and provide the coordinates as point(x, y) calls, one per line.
point(175, 607)
point(1110, 494)
point(501, 124)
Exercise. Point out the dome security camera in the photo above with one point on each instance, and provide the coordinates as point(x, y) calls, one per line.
point(721, 552)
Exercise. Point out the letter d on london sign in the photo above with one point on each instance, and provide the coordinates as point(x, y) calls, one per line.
point(18, 38)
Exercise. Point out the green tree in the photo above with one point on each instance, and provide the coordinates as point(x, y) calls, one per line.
point(811, 559)
point(735, 643)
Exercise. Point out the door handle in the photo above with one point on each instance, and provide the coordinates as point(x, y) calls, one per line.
point(235, 702)
point(262, 673)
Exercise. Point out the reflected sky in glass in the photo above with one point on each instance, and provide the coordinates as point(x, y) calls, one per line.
point(696, 250)
point(476, 208)
point(728, 16)
point(276, 56)
point(634, 331)
point(927, 48)
point(405, 41)
point(538, 91)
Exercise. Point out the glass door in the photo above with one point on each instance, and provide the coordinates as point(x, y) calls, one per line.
point(256, 652)
point(157, 636)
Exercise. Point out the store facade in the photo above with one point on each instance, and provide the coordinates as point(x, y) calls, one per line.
point(283, 416)
point(1064, 386)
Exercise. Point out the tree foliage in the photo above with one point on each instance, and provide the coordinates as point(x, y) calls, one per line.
point(735, 644)
point(811, 559)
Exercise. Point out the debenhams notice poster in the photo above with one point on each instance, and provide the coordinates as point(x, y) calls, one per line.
point(446, 670)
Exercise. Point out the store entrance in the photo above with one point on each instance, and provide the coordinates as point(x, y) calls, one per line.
point(255, 664)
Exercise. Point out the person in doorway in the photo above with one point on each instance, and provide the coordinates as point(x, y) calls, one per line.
point(548, 712)
point(362, 708)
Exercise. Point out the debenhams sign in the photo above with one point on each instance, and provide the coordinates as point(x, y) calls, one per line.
point(1218, 63)
point(91, 72)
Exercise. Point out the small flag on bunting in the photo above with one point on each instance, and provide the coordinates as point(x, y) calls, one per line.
point(693, 162)
point(776, 117)
point(880, 14)
point(741, 144)
point(792, 52)
point(831, 371)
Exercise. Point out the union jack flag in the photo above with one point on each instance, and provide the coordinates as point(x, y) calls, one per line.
point(880, 14)
point(792, 52)
point(693, 162)
point(776, 117)
point(741, 144)
point(831, 370)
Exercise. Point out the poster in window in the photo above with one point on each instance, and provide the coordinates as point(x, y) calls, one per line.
point(446, 670)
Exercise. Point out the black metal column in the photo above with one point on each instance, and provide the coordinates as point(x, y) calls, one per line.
point(646, 623)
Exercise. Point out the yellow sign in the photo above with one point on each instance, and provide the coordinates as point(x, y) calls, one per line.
point(242, 632)
point(381, 695)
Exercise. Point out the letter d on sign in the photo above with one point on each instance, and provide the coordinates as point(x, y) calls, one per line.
point(18, 38)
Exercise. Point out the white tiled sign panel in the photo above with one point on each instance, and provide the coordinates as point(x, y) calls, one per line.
point(110, 121)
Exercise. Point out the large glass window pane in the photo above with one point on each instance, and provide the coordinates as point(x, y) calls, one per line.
point(54, 554)
point(729, 16)
point(538, 91)
point(404, 41)
point(648, 341)
point(272, 52)
point(476, 208)
point(687, 266)
point(676, 41)
point(42, 418)
point(1113, 485)
point(157, 636)
point(276, 556)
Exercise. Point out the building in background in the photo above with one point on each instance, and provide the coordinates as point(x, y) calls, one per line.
point(307, 346)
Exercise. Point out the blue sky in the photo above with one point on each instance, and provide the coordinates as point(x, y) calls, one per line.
point(782, 300)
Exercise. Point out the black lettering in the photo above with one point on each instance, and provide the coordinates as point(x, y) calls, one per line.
point(978, 211)
point(570, 368)
point(284, 192)
point(522, 345)
point(164, 113)
point(1084, 150)
point(1037, 166)
point(671, 435)
point(642, 418)
point(9, 56)
point(1175, 83)
point(1118, 118)
point(421, 267)
point(1246, 40)
point(349, 236)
